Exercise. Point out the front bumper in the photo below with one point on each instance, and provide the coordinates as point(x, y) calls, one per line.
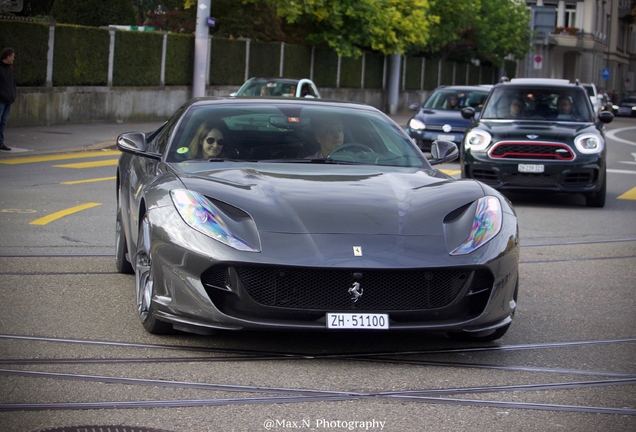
point(585, 174)
point(424, 138)
point(199, 287)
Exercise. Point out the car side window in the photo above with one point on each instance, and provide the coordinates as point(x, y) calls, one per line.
point(166, 133)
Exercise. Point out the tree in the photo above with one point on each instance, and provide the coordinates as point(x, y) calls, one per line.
point(488, 30)
point(94, 13)
point(351, 26)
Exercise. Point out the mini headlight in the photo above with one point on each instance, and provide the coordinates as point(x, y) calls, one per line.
point(477, 140)
point(415, 124)
point(589, 143)
point(200, 214)
point(486, 225)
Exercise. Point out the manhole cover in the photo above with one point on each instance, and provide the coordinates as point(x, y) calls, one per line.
point(103, 429)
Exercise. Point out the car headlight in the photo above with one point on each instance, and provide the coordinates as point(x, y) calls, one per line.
point(477, 140)
point(486, 225)
point(589, 143)
point(415, 124)
point(615, 107)
point(200, 214)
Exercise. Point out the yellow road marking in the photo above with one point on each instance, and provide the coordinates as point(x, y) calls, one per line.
point(451, 172)
point(630, 194)
point(78, 165)
point(89, 180)
point(33, 159)
point(57, 215)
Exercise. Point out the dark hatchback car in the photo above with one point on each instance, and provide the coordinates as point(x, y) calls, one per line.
point(538, 134)
point(440, 117)
point(626, 106)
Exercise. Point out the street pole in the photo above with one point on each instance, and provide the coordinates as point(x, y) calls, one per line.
point(201, 48)
point(394, 83)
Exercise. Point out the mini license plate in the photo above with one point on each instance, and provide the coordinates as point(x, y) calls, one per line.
point(531, 168)
point(446, 137)
point(357, 321)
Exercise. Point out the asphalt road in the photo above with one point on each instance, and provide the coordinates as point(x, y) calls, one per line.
point(73, 352)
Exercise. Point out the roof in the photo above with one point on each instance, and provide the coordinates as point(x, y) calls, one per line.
point(539, 81)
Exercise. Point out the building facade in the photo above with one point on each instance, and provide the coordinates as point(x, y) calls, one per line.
point(590, 40)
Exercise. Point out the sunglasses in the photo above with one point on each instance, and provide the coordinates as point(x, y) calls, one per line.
point(212, 140)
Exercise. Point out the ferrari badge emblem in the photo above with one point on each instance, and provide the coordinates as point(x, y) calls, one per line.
point(356, 291)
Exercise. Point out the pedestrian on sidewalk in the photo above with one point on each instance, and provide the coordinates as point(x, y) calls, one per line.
point(8, 91)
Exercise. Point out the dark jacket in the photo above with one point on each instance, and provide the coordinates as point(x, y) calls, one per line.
point(8, 91)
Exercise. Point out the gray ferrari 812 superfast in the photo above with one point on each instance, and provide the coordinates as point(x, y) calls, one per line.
point(306, 214)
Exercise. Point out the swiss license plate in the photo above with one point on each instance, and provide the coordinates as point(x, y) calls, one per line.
point(360, 321)
point(531, 168)
point(446, 137)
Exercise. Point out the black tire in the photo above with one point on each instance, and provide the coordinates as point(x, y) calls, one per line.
point(485, 336)
point(121, 248)
point(597, 199)
point(144, 284)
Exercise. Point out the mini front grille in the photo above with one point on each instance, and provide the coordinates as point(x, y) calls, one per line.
point(578, 178)
point(327, 289)
point(486, 176)
point(455, 129)
point(534, 180)
point(531, 150)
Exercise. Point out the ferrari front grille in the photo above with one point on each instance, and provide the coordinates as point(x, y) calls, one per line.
point(531, 150)
point(328, 289)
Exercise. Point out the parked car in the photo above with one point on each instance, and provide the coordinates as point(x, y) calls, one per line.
point(594, 97)
point(440, 117)
point(266, 235)
point(279, 87)
point(539, 145)
point(626, 106)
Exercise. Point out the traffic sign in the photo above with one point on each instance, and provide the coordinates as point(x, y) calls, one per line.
point(606, 73)
point(211, 21)
point(538, 61)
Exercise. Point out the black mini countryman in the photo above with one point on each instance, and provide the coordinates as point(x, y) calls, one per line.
point(538, 134)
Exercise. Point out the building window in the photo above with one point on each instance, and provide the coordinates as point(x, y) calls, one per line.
point(570, 15)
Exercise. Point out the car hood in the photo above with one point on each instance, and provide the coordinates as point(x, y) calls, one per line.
point(442, 117)
point(536, 131)
point(324, 200)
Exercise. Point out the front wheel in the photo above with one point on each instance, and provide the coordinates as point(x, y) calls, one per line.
point(144, 283)
point(597, 199)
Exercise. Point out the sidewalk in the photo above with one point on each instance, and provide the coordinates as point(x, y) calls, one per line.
point(40, 140)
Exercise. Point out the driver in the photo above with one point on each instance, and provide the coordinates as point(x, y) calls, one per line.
point(329, 133)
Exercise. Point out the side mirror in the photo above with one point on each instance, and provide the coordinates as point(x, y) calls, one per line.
point(443, 151)
point(606, 116)
point(414, 107)
point(135, 143)
point(468, 113)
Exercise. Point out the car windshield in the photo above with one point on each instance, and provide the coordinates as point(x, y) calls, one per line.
point(455, 100)
point(628, 100)
point(263, 87)
point(532, 103)
point(291, 133)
